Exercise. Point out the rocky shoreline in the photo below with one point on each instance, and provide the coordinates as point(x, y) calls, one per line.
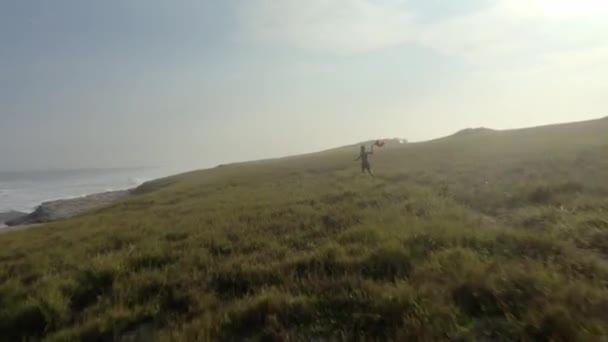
point(62, 209)
point(9, 216)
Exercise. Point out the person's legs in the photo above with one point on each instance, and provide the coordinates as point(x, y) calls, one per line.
point(367, 168)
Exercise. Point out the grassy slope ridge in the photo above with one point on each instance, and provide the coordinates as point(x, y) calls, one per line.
point(499, 234)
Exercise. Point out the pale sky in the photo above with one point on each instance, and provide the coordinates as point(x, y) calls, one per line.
point(194, 83)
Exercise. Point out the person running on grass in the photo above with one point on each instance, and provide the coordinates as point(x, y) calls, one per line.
point(364, 157)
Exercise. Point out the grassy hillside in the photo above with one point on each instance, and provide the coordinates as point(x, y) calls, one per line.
point(487, 235)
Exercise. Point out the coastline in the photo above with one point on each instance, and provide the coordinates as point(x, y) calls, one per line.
point(24, 191)
point(62, 209)
point(39, 196)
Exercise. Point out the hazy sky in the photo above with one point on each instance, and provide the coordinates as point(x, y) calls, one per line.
point(194, 83)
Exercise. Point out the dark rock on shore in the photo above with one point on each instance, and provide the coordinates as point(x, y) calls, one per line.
point(63, 209)
point(10, 216)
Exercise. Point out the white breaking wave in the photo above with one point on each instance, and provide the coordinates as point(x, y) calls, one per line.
point(27, 190)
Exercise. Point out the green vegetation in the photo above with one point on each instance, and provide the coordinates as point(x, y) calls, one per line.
point(499, 235)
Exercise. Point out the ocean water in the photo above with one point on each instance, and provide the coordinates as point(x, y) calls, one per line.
point(24, 191)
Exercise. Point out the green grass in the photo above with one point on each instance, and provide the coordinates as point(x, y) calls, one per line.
point(499, 235)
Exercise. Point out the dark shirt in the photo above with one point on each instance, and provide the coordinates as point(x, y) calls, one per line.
point(364, 156)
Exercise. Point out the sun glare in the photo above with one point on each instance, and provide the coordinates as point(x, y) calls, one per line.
point(571, 8)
